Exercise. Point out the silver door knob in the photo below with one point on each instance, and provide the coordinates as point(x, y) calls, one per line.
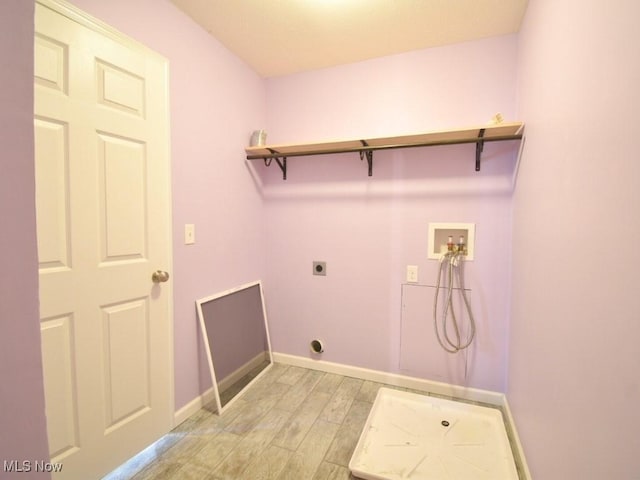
point(160, 276)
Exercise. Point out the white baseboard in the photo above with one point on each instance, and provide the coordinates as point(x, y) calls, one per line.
point(515, 441)
point(192, 407)
point(430, 386)
point(243, 370)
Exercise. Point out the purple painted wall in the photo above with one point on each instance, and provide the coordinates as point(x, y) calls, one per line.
point(574, 356)
point(437, 88)
point(572, 348)
point(216, 101)
point(369, 229)
point(23, 434)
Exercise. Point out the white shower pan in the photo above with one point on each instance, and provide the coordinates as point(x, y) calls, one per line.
point(417, 437)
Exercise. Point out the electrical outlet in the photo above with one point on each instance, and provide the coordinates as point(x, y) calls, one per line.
point(189, 234)
point(412, 273)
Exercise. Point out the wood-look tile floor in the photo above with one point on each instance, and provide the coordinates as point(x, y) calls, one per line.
point(292, 423)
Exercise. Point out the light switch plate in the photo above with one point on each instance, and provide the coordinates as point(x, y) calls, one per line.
point(189, 234)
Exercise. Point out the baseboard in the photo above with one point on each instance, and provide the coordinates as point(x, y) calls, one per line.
point(243, 370)
point(192, 407)
point(429, 386)
point(516, 446)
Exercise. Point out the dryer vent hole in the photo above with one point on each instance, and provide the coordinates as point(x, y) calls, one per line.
point(316, 346)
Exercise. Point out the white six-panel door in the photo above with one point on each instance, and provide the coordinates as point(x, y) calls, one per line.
point(103, 218)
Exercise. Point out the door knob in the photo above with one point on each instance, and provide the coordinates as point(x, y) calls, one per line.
point(160, 276)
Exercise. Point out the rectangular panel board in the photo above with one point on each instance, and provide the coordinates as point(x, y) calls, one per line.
point(120, 89)
point(126, 361)
point(420, 353)
point(52, 194)
point(58, 362)
point(123, 197)
point(51, 60)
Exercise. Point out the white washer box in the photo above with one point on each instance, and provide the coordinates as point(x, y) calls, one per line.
point(440, 232)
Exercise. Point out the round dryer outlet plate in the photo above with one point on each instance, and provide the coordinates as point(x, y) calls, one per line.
point(320, 268)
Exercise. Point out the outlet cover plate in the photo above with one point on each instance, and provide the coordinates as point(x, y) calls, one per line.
point(412, 273)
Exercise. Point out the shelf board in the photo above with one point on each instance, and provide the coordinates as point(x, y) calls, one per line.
point(478, 135)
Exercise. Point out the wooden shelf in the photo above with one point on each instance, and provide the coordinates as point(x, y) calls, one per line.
point(366, 147)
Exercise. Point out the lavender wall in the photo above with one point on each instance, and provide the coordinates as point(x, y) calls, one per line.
point(438, 88)
point(574, 385)
point(216, 102)
point(23, 435)
point(369, 229)
point(573, 350)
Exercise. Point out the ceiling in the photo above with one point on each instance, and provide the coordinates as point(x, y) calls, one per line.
point(281, 37)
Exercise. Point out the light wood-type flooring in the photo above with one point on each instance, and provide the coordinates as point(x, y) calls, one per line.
point(292, 423)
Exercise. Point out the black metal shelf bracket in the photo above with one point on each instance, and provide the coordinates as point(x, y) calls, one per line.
point(369, 155)
point(479, 148)
point(281, 163)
